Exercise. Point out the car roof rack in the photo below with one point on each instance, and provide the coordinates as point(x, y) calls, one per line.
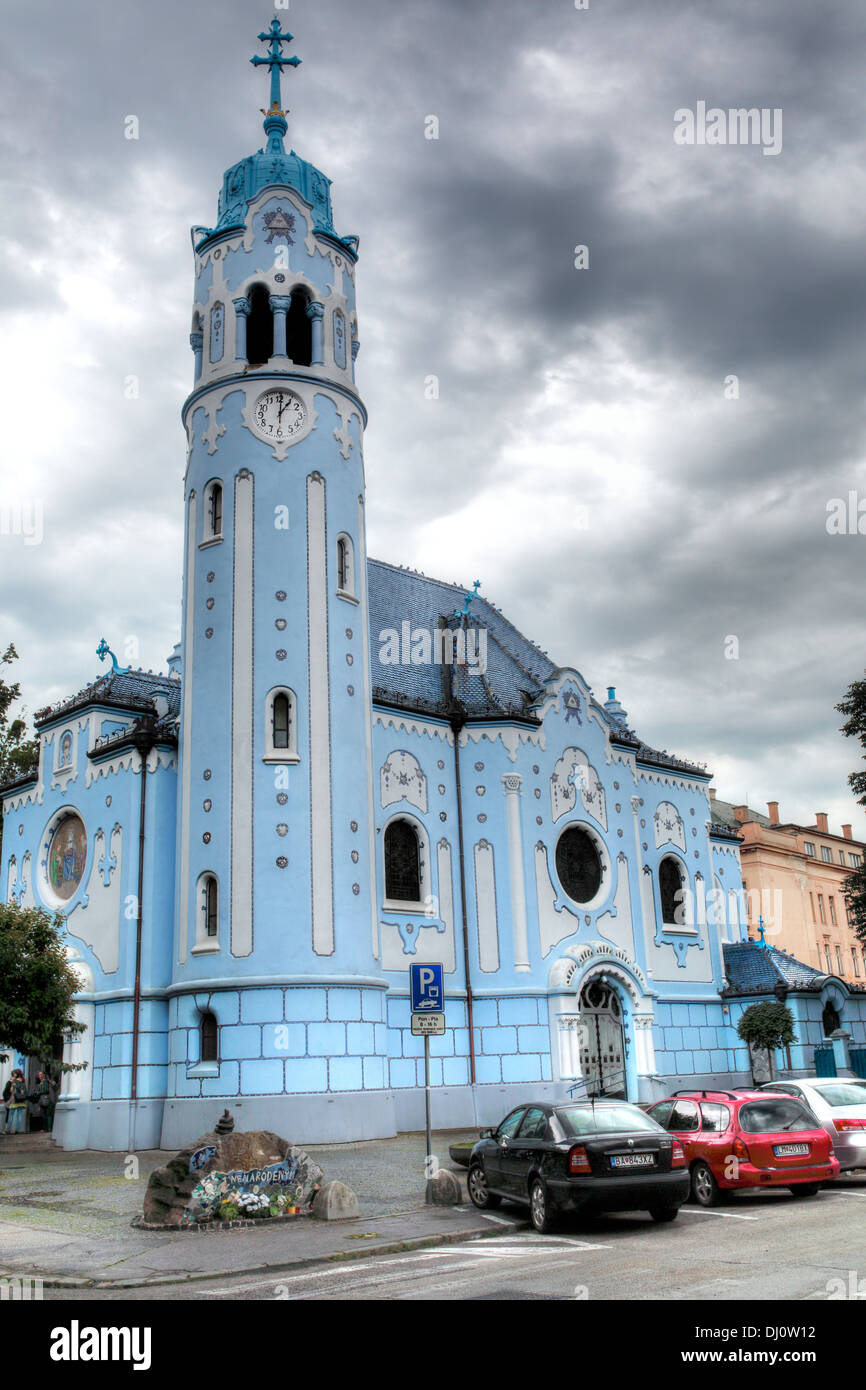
point(719, 1091)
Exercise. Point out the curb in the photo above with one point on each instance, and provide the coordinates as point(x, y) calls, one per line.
point(338, 1257)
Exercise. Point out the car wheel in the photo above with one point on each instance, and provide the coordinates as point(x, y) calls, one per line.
point(479, 1193)
point(664, 1213)
point(806, 1189)
point(705, 1189)
point(541, 1212)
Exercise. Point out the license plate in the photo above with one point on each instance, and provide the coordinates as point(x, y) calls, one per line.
point(789, 1150)
point(633, 1161)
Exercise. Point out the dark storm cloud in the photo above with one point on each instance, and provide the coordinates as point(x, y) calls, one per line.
point(604, 388)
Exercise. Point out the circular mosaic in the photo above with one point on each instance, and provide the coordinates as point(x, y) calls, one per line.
point(207, 774)
point(280, 278)
point(537, 793)
point(479, 791)
point(355, 856)
point(282, 862)
point(282, 830)
point(349, 633)
point(616, 786)
point(350, 660)
point(67, 857)
point(211, 577)
point(442, 815)
point(210, 603)
point(280, 595)
point(282, 798)
point(440, 763)
point(206, 837)
point(479, 767)
point(354, 827)
point(281, 654)
point(482, 818)
point(21, 827)
point(535, 767)
point(441, 789)
point(356, 888)
point(207, 805)
point(280, 624)
point(538, 820)
point(208, 632)
point(350, 689)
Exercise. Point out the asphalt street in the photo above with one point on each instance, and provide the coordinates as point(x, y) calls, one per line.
point(766, 1246)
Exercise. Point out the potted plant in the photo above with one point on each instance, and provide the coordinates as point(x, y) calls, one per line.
point(764, 1027)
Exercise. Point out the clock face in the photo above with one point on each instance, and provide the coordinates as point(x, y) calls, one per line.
point(279, 415)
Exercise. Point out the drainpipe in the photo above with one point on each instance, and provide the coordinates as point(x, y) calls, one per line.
point(143, 737)
point(458, 722)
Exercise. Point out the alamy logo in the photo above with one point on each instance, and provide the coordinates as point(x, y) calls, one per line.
point(739, 126)
point(443, 646)
point(77, 1343)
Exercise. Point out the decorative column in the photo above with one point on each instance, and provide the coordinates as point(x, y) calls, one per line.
point(280, 305)
point(196, 342)
point(242, 313)
point(356, 348)
point(512, 784)
point(316, 313)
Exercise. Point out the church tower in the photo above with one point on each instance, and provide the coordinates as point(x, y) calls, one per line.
point(276, 926)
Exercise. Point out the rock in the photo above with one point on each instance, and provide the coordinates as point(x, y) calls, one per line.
point(225, 1124)
point(335, 1202)
point(220, 1167)
point(446, 1190)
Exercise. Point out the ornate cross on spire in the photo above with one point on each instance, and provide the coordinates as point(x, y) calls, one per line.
point(276, 62)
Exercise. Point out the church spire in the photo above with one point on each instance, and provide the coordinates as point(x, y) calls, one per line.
point(275, 117)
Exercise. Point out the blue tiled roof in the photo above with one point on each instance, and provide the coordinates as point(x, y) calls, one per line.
point(516, 668)
point(754, 969)
point(130, 690)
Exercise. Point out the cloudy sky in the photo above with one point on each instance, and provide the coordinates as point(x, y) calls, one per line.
point(585, 458)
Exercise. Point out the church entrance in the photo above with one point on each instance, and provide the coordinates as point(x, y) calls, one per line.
point(602, 1042)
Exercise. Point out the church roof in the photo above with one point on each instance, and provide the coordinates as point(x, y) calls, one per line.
point(755, 969)
point(132, 691)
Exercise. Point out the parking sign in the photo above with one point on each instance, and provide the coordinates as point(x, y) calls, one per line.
point(426, 987)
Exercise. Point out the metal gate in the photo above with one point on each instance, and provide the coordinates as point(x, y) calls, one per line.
point(825, 1060)
point(858, 1060)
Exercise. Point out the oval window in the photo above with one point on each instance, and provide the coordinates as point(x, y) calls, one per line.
point(578, 864)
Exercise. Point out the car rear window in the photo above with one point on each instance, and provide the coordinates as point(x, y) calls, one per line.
point(839, 1094)
point(716, 1117)
point(770, 1116)
point(613, 1119)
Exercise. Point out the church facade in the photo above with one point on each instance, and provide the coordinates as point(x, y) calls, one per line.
point(349, 767)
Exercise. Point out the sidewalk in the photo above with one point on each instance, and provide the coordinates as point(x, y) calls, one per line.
point(65, 1217)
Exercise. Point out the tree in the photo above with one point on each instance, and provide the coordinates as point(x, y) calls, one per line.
point(854, 708)
point(18, 754)
point(37, 983)
point(765, 1027)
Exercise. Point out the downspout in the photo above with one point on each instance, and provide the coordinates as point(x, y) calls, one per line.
point(458, 722)
point(144, 742)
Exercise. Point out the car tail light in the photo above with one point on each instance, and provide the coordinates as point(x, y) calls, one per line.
point(740, 1151)
point(678, 1156)
point(578, 1161)
point(843, 1125)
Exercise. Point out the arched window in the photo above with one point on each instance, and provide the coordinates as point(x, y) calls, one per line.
point(402, 862)
point(213, 511)
point(209, 1038)
point(211, 907)
point(829, 1019)
point(299, 330)
point(345, 567)
point(281, 726)
point(260, 328)
point(207, 924)
point(670, 889)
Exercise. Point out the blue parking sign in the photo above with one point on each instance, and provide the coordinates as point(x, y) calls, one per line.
point(426, 987)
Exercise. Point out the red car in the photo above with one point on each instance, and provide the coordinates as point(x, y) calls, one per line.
point(747, 1139)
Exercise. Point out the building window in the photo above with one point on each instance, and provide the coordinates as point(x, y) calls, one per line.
point(812, 902)
point(207, 925)
point(829, 1020)
point(209, 1038)
point(856, 961)
point(827, 958)
point(213, 511)
point(832, 911)
point(211, 907)
point(840, 968)
point(855, 860)
point(826, 854)
point(809, 848)
point(821, 909)
point(260, 328)
point(299, 330)
point(578, 864)
point(671, 892)
point(345, 567)
point(842, 857)
point(402, 862)
point(281, 726)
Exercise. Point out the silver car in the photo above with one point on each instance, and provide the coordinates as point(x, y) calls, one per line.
point(839, 1104)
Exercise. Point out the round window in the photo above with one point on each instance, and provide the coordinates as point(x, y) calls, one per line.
point(578, 864)
point(67, 857)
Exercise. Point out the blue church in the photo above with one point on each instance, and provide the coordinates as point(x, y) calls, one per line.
point(348, 767)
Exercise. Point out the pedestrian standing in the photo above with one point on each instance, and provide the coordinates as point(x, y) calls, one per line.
point(43, 1097)
point(16, 1106)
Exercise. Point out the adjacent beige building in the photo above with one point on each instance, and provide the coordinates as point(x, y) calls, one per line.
point(794, 876)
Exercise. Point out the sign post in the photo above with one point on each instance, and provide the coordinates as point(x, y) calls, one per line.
point(427, 998)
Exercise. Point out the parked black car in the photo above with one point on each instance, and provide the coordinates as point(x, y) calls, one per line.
point(579, 1156)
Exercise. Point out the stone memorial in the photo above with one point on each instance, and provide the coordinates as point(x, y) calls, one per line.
point(229, 1177)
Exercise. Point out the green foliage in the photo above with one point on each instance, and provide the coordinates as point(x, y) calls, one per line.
point(768, 1025)
point(37, 983)
point(854, 708)
point(18, 754)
